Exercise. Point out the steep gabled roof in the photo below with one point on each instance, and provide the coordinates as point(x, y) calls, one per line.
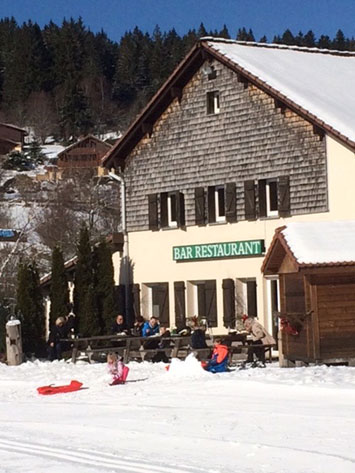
point(312, 244)
point(315, 83)
point(87, 137)
point(14, 127)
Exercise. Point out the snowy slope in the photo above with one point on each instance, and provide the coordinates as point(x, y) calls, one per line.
point(185, 420)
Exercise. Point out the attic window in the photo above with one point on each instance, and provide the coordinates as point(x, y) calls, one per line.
point(212, 74)
point(213, 102)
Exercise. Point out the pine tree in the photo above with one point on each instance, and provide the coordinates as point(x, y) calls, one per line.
point(59, 292)
point(34, 152)
point(309, 39)
point(339, 41)
point(30, 308)
point(324, 42)
point(288, 38)
point(83, 278)
point(104, 285)
point(90, 326)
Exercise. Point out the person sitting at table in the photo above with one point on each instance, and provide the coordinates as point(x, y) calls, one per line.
point(55, 344)
point(163, 343)
point(137, 330)
point(198, 334)
point(151, 328)
point(259, 336)
point(119, 326)
point(219, 360)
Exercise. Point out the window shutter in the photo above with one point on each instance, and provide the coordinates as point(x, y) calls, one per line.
point(163, 291)
point(200, 206)
point(136, 300)
point(251, 294)
point(164, 210)
point(211, 204)
point(180, 307)
point(201, 302)
point(119, 299)
point(249, 196)
point(231, 211)
point(211, 303)
point(153, 211)
point(284, 196)
point(228, 302)
point(180, 209)
point(262, 197)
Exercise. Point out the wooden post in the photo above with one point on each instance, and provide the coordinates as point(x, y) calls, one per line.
point(13, 342)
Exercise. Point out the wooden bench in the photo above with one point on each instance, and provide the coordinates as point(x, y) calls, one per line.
point(247, 348)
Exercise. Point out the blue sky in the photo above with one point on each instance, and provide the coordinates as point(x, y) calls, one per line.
point(268, 17)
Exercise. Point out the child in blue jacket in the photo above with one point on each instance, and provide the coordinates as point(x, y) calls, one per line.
point(219, 360)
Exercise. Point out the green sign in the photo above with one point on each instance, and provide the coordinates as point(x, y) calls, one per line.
point(233, 249)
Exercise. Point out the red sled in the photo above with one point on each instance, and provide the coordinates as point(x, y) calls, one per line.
point(73, 386)
point(123, 378)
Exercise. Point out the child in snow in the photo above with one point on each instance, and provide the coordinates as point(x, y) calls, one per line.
point(117, 369)
point(219, 360)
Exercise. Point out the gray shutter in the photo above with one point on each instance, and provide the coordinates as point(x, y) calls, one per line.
point(211, 303)
point(163, 290)
point(201, 302)
point(164, 210)
point(180, 209)
point(249, 196)
point(284, 196)
point(231, 212)
point(200, 206)
point(136, 300)
point(211, 204)
point(228, 302)
point(180, 307)
point(262, 197)
point(153, 211)
point(251, 294)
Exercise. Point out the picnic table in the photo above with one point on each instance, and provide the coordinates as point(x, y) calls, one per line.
point(142, 348)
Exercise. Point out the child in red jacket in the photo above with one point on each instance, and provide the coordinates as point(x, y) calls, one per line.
point(219, 360)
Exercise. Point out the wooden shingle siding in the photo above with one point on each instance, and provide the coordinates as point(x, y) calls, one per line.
point(249, 139)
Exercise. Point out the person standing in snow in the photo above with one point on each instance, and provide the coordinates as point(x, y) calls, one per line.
point(259, 336)
point(219, 360)
point(117, 369)
point(57, 333)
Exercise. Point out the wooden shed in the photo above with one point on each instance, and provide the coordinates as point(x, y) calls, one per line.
point(315, 262)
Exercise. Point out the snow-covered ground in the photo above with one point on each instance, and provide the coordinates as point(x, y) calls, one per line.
point(183, 420)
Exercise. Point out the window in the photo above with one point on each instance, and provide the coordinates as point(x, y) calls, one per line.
point(202, 301)
point(172, 210)
point(271, 198)
point(246, 297)
point(213, 102)
point(156, 302)
point(220, 210)
point(274, 197)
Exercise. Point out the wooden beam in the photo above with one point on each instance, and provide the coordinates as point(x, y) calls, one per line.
point(318, 131)
point(242, 79)
point(147, 128)
point(279, 104)
point(176, 92)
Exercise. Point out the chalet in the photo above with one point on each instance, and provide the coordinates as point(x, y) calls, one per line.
point(84, 155)
point(241, 139)
point(315, 264)
point(11, 138)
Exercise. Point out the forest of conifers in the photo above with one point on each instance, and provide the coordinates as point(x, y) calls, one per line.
point(66, 81)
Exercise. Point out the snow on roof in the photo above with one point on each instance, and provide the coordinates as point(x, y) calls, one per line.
point(319, 81)
point(321, 242)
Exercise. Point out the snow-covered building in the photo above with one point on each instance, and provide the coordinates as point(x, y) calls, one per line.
point(241, 139)
point(315, 263)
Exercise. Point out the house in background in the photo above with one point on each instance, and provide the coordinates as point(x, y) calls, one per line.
point(83, 156)
point(11, 138)
point(241, 139)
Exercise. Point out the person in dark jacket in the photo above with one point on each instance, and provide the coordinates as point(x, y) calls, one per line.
point(138, 326)
point(119, 326)
point(55, 345)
